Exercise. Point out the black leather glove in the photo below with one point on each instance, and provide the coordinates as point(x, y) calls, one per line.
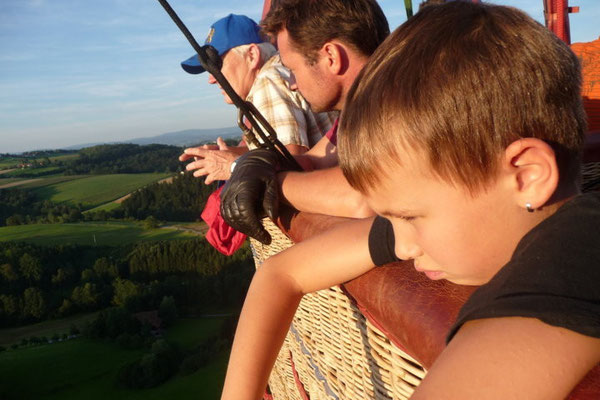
point(251, 193)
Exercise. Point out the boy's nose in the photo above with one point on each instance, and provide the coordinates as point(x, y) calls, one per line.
point(211, 79)
point(407, 251)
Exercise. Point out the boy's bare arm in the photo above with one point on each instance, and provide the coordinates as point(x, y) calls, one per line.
point(334, 257)
point(510, 358)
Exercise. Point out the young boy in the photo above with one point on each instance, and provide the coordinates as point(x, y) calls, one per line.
point(464, 131)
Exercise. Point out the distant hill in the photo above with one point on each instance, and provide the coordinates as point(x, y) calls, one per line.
point(178, 138)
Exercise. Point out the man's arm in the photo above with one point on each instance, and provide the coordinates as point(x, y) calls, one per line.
point(334, 257)
point(510, 358)
point(323, 191)
point(322, 188)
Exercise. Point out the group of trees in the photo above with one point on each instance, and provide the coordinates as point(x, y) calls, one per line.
point(19, 207)
point(37, 282)
point(124, 159)
point(181, 200)
point(165, 359)
point(102, 159)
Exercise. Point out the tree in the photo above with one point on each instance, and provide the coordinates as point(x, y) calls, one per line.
point(167, 310)
point(31, 267)
point(88, 275)
point(62, 275)
point(9, 305)
point(33, 303)
point(124, 291)
point(151, 223)
point(86, 296)
point(66, 307)
point(8, 273)
point(105, 269)
point(14, 220)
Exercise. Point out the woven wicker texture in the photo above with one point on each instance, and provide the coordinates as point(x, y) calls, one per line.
point(337, 353)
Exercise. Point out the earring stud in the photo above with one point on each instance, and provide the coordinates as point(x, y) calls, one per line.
point(528, 207)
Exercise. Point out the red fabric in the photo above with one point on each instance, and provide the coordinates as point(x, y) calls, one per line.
point(220, 235)
point(299, 384)
point(332, 132)
point(589, 54)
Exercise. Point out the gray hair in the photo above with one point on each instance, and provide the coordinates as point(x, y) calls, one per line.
point(267, 50)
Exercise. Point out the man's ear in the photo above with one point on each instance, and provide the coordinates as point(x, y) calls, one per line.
point(253, 57)
point(334, 54)
point(532, 171)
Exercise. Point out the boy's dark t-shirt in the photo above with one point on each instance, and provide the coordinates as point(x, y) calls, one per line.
point(553, 275)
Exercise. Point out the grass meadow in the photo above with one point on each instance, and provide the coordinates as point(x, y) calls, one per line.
point(87, 369)
point(89, 233)
point(11, 162)
point(32, 183)
point(32, 172)
point(46, 328)
point(93, 190)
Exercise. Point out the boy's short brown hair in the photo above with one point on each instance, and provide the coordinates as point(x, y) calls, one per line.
point(360, 24)
point(460, 82)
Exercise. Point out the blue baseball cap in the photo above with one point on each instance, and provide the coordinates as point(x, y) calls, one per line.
point(225, 34)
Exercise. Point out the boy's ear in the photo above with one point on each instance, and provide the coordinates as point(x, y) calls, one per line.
point(532, 171)
point(334, 55)
point(253, 56)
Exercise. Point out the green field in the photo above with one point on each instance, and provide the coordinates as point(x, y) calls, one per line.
point(45, 328)
point(111, 205)
point(9, 162)
point(93, 190)
point(88, 233)
point(5, 181)
point(64, 157)
point(85, 369)
point(51, 180)
point(31, 172)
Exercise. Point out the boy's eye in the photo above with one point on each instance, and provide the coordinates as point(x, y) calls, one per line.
point(407, 218)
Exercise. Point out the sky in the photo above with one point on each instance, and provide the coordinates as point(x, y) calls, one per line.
point(85, 71)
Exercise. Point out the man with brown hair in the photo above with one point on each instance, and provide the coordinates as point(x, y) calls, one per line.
point(325, 44)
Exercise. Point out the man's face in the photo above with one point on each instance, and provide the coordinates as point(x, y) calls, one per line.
point(447, 232)
point(236, 71)
point(310, 79)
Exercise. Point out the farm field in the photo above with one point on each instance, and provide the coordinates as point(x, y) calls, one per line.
point(45, 328)
point(86, 369)
point(64, 157)
point(32, 172)
point(94, 190)
point(49, 180)
point(89, 233)
point(8, 181)
point(10, 162)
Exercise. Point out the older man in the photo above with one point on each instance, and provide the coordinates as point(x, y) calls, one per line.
point(254, 70)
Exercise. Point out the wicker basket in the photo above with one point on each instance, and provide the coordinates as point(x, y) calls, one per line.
point(321, 361)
